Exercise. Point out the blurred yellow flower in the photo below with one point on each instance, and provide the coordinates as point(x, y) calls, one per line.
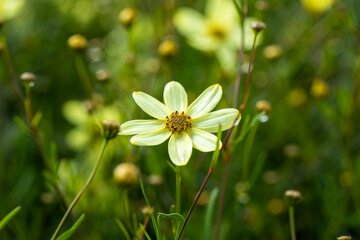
point(319, 88)
point(10, 8)
point(317, 6)
point(218, 31)
point(297, 97)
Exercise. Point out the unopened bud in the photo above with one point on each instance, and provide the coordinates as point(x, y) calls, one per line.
point(319, 88)
point(126, 174)
point(78, 42)
point(293, 196)
point(28, 78)
point(263, 106)
point(110, 129)
point(102, 75)
point(272, 52)
point(167, 48)
point(127, 16)
point(148, 211)
point(258, 26)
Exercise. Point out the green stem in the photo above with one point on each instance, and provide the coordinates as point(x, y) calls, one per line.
point(83, 189)
point(292, 222)
point(178, 189)
point(83, 75)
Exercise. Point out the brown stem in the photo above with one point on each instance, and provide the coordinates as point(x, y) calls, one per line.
point(198, 194)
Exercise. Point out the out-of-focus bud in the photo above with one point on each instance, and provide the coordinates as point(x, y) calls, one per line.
point(147, 211)
point(319, 88)
point(291, 150)
point(110, 129)
point(127, 16)
point(28, 78)
point(155, 179)
point(102, 75)
point(318, 6)
point(263, 106)
point(167, 48)
point(272, 52)
point(78, 43)
point(126, 174)
point(262, 5)
point(204, 198)
point(257, 26)
point(297, 97)
point(292, 196)
point(275, 206)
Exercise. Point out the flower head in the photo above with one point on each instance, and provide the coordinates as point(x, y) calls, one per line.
point(186, 126)
point(216, 31)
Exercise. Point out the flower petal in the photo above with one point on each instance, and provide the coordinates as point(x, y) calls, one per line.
point(151, 138)
point(205, 102)
point(175, 97)
point(210, 122)
point(150, 105)
point(180, 148)
point(140, 126)
point(204, 141)
point(189, 22)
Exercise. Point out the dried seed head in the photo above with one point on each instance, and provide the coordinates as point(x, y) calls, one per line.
point(78, 43)
point(292, 196)
point(127, 17)
point(167, 48)
point(126, 174)
point(258, 26)
point(110, 129)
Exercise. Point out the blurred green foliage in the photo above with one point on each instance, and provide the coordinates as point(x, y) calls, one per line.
point(307, 66)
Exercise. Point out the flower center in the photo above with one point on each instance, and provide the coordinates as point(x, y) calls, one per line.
point(178, 122)
point(216, 31)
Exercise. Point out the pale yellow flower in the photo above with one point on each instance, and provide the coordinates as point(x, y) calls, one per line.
point(317, 6)
point(186, 126)
point(216, 31)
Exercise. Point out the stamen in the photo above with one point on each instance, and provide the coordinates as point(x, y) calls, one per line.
point(178, 122)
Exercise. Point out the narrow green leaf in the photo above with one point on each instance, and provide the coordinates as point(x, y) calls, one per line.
point(67, 234)
point(176, 216)
point(22, 124)
point(9, 216)
point(210, 213)
point(123, 229)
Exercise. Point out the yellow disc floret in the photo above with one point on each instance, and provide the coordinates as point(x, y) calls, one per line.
point(178, 122)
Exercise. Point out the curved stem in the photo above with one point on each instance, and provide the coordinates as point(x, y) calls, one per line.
point(198, 194)
point(83, 189)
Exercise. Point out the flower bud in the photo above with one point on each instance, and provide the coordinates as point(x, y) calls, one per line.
point(77, 42)
point(126, 174)
point(319, 88)
point(28, 78)
point(167, 48)
point(148, 211)
point(263, 106)
point(127, 17)
point(102, 75)
point(292, 196)
point(257, 26)
point(272, 52)
point(110, 129)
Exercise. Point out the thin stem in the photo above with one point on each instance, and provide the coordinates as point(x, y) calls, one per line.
point(83, 75)
point(198, 194)
point(226, 146)
point(243, 14)
point(178, 189)
point(83, 189)
point(13, 77)
point(292, 222)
